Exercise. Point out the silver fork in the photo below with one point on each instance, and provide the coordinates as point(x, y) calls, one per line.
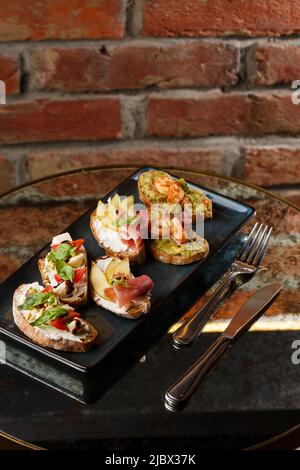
point(245, 266)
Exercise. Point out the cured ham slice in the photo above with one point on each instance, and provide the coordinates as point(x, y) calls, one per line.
point(136, 288)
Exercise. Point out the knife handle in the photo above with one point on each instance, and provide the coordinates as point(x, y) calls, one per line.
point(182, 390)
point(189, 331)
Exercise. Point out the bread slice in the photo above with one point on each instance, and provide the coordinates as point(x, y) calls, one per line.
point(179, 259)
point(62, 342)
point(78, 298)
point(160, 198)
point(135, 310)
point(135, 257)
point(101, 278)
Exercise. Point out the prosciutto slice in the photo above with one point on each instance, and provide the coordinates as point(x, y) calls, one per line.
point(137, 288)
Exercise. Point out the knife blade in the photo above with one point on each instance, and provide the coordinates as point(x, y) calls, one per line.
point(252, 309)
point(180, 392)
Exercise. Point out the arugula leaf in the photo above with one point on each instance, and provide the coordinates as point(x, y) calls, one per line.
point(64, 271)
point(48, 315)
point(34, 300)
point(62, 252)
point(120, 282)
point(127, 221)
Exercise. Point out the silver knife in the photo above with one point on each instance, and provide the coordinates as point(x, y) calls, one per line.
point(180, 392)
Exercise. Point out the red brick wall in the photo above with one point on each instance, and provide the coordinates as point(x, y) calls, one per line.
point(203, 84)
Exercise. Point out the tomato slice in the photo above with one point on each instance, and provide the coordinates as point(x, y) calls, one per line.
point(77, 243)
point(55, 246)
point(79, 273)
point(58, 279)
point(47, 289)
point(72, 315)
point(59, 323)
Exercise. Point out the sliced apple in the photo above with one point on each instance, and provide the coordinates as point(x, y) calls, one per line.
point(127, 203)
point(107, 221)
point(101, 209)
point(111, 268)
point(98, 280)
point(116, 201)
point(123, 267)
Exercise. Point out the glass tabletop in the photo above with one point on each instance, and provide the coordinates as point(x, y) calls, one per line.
point(252, 395)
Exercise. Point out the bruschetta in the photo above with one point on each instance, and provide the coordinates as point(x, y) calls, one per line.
point(157, 186)
point(41, 316)
point(115, 226)
point(172, 243)
point(114, 288)
point(64, 268)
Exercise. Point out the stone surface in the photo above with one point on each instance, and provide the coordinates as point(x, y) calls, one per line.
point(34, 226)
point(8, 264)
point(6, 174)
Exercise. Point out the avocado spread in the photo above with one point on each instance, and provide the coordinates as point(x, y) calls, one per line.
point(172, 248)
point(197, 198)
point(147, 185)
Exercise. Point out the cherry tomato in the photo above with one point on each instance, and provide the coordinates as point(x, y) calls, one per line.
point(57, 278)
point(47, 289)
point(72, 315)
point(54, 246)
point(77, 243)
point(59, 323)
point(79, 273)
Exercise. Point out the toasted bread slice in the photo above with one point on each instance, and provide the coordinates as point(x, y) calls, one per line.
point(77, 298)
point(184, 256)
point(136, 256)
point(50, 337)
point(100, 280)
point(150, 195)
point(75, 295)
point(135, 310)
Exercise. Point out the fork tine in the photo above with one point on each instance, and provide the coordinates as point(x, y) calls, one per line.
point(257, 244)
point(261, 252)
point(248, 242)
point(252, 240)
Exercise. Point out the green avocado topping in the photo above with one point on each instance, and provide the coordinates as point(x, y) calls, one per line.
point(170, 247)
point(147, 185)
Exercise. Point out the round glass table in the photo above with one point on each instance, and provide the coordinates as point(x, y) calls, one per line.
point(252, 395)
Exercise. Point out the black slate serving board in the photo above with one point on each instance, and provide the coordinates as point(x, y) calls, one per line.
point(120, 336)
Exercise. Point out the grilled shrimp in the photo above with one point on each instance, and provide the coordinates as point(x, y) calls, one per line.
point(162, 184)
point(177, 231)
point(176, 193)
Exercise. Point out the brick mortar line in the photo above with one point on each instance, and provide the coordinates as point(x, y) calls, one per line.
point(271, 140)
point(271, 39)
point(148, 139)
point(195, 92)
point(19, 46)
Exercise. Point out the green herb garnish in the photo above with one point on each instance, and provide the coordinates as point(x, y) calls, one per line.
point(34, 300)
point(48, 315)
point(126, 221)
point(62, 252)
point(184, 185)
point(64, 271)
point(120, 282)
